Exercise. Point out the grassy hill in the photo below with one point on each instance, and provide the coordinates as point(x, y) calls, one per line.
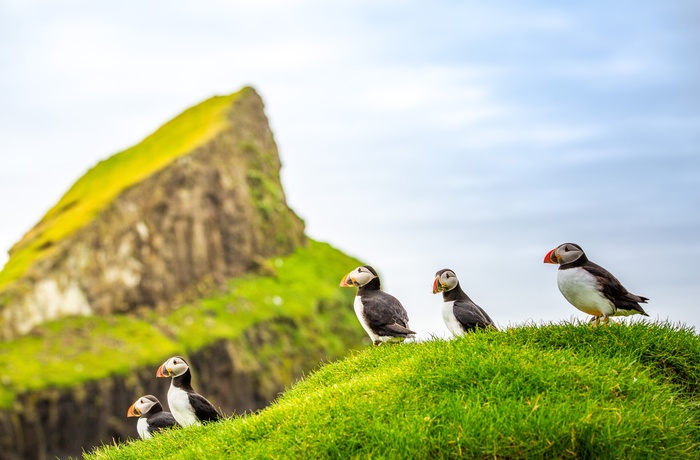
point(555, 391)
point(67, 352)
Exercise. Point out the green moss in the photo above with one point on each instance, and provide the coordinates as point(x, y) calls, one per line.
point(104, 182)
point(74, 350)
point(558, 391)
point(266, 193)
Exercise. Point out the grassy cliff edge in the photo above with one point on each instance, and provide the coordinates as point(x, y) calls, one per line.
point(68, 352)
point(553, 391)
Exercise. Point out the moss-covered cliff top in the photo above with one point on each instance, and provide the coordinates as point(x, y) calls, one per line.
point(106, 180)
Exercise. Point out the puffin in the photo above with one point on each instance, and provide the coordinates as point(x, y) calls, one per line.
point(460, 313)
point(151, 415)
point(382, 316)
point(188, 406)
point(591, 288)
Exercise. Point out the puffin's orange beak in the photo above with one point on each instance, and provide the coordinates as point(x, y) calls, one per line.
point(551, 257)
point(133, 411)
point(162, 372)
point(436, 285)
point(344, 281)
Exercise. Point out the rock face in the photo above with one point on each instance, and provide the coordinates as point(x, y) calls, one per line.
point(210, 215)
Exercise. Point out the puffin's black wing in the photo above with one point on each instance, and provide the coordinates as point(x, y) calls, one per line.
point(385, 314)
point(160, 420)
point(614, 290)
point(470, 315)
point(203, 409)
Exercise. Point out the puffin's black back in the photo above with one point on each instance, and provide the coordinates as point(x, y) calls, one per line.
point(612, 289)
point(159, 420)
point(384, 313)
point(203, 409)
point(469, 314)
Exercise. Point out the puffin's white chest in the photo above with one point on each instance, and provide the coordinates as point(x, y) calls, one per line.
point(580, 288)
point(142, 428)
point(179, 402)
point(360, 312)
point(449, 317)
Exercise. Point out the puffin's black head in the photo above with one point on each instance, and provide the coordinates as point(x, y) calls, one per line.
point(144, 405)
point(445, 280)
point(359, 277)
point(173, 367)
point(564, 254)
point(372, 270)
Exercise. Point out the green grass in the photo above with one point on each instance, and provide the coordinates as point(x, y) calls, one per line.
point(106, 180)
point(74, 350)
point(555, 391)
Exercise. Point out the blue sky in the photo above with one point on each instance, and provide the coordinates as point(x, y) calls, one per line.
point(413, 135)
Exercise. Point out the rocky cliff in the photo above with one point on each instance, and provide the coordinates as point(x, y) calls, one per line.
point(181, 245)
point(213, 212)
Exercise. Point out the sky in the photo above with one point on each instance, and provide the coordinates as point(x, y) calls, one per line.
point(413, 135)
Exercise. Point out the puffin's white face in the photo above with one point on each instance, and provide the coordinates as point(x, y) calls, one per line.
point(142, 406)
point(173, 367)
point(445, 280)
point(564, 254)
point(358, 277)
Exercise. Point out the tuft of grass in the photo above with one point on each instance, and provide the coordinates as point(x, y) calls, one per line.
point(554, 391)
point(106, 180)
point(74, 350)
